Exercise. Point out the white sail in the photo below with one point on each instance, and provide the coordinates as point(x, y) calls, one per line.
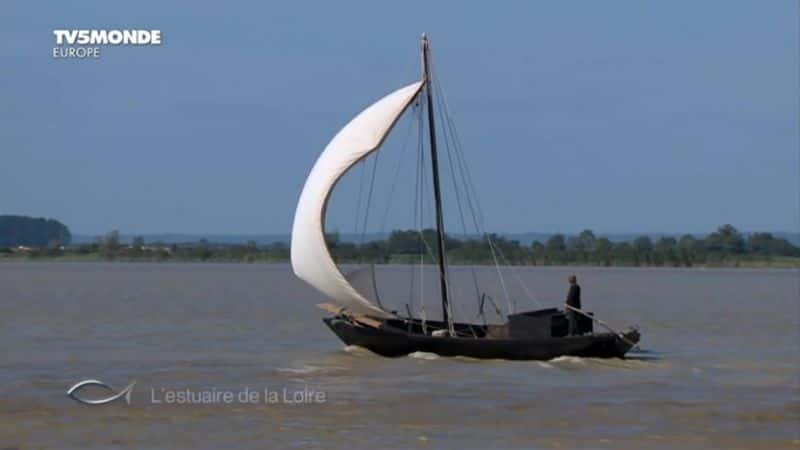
point(311, 259)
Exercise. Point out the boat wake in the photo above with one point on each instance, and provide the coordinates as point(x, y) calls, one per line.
point(576, 362)
point(305, 370)
point(572, 360)
point(634, 361)
point(356, 350)
point(424, 355)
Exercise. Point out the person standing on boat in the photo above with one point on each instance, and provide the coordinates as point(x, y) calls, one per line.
point(573, 300)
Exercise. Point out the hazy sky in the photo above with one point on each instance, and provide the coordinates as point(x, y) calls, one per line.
point(617, 116)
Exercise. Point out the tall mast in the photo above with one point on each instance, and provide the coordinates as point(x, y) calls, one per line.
point(437, 194)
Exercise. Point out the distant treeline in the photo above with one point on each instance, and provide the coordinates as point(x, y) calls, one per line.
point(110, 248)
point(36, 232)
point(724, 247)
point(48, 238)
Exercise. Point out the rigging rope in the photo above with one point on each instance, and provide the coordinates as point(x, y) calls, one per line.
point(369, 197)
point(400, 161)
point(475, 209)
point(417, 213)
point(447, 140)
point(462, 179)
point(362, 172)
point(452, 310)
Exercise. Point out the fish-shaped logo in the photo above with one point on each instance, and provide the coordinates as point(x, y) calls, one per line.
point(125, 393)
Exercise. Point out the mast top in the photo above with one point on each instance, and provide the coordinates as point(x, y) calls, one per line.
point(425, 56)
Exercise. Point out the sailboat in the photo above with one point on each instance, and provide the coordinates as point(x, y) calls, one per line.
point(530, 335)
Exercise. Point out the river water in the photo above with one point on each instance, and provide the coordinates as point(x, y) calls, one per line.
point(718, 366)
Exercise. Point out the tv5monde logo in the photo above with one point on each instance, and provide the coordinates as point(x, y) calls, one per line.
point(86, 44)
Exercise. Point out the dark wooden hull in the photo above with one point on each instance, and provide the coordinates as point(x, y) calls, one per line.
point(393, 341)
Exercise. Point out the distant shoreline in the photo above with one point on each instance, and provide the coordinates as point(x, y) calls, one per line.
point(778, 263)
point(724, 247)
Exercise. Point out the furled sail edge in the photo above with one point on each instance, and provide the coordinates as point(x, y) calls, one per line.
point(311, 259)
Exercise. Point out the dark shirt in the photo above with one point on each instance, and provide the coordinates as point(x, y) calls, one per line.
point(574, 296)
